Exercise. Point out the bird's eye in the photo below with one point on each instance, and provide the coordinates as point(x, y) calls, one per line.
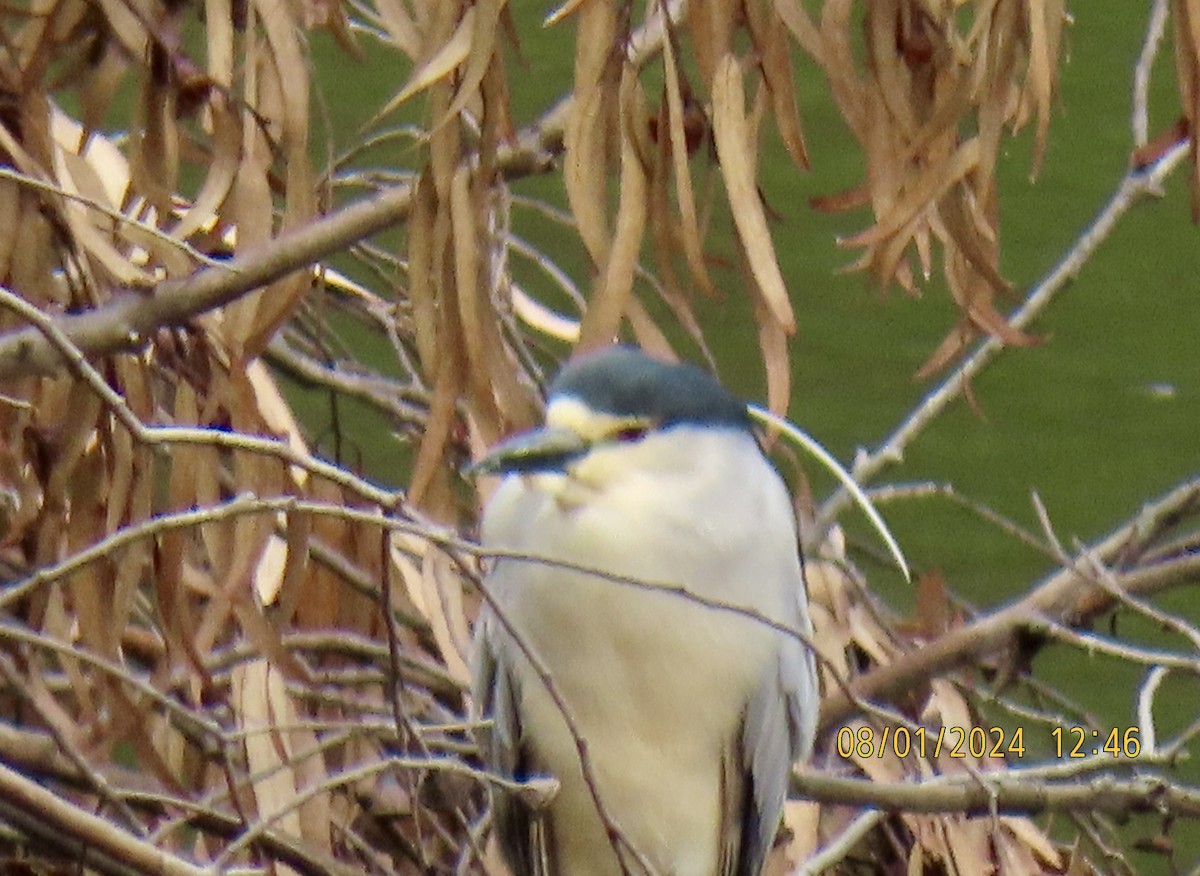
point(629, 434)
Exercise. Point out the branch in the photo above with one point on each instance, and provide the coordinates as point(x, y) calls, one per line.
point(1140, 111)
point(127, 324)
point(1067, 597)
point(43, 814)
point(1010, 792)
point(37, 753)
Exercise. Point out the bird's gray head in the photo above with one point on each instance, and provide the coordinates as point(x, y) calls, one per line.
point(617, 395)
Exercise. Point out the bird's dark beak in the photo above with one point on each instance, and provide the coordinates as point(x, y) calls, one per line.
point(543, 450)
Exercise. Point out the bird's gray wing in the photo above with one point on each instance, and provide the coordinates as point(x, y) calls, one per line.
point(779, 726)
point(521, 833)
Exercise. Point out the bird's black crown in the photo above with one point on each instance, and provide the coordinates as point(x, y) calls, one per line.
point(626, 382)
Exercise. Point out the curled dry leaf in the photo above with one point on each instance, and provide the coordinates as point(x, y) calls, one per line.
point(609, 301)
point(927, 73)
point(733, 136)
point(479, 60)
point(556, 15)
point(689, 223)
point(587, 137)
point(776, 63)
point(467, 265)
point(262, 705)
point(446, 60)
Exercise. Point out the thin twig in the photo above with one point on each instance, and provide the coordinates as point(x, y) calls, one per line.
point(836, 851)
point(1010, 792)
point(68, 825)
point(1156, 26)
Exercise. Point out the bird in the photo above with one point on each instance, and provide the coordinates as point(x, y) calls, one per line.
point(644, 640)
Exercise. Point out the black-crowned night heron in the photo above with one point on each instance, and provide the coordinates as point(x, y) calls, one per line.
point(690, 715)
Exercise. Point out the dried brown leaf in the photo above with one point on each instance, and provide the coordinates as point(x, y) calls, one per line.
point(57, 620)
point(647, 333)
point(261, 703)
point(77, 435)
point(221, 173)
point(1041, 73)
point(804, 31)
point(121, 473)
point(178, 622)
point(890, 75)
point(984, 315)
point(219, 42)
point(772, 343)
point(10, 217)
point(283, 93)
point(90, 595)
point(934, 613)
point(126, 25)
point(424, 485)
point(100, 85)
point(270, 405)
point(969, 844)
point(154, 163)
point(893, 232)
point(839, 202)
point(776, 63)
point(400, 27)
point(444, 589)
point(712, 24)
point(584, 171)
point(565, 10)
point(1029, 839)
point(72, 727)
point(498, 125)
point(543, 319)
point(513, 400)
point(252, 214)
point(586, 137)
point(264, 639)
point(479, 59)
point(950, 348)
point(691, 235)
point(317, 820)
point(445, 61)
point(849, 91)
point(219, 539)
point(732, 135)
point(473, 325)
point(608, 302)
point(422, 295)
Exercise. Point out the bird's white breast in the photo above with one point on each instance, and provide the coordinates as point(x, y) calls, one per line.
point(654, 683)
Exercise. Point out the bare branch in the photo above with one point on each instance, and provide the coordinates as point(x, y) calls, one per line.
point(109, 848)
point(1007, 792)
